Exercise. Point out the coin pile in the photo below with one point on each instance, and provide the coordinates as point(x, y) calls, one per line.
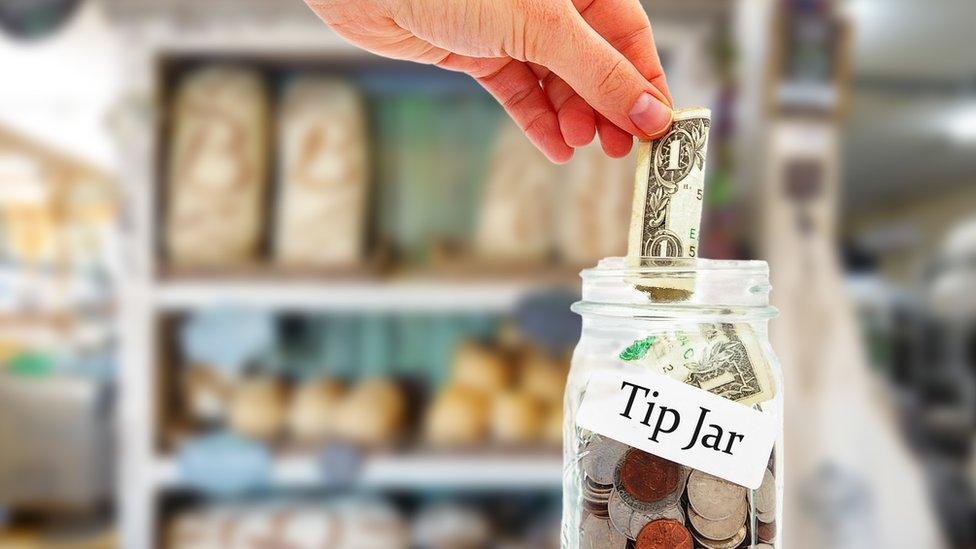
point(633, 499)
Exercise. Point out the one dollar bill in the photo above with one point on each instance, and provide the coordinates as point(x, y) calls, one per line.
point(669, 189)
point(721, 358)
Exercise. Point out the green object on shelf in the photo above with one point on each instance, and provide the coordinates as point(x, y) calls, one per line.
point(32, 365)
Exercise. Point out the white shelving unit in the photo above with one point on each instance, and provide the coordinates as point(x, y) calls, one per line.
point(147, 297)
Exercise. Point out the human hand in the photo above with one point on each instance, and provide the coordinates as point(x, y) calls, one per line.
point(563, 69)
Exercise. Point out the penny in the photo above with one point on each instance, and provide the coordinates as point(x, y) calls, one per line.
point(600, 458)
point(712, 497)
point(720, 529)
point(646, 477)
point(766, 531)
point(597, 533)
point(766, 494)
point(730, 543)
point(664, 534)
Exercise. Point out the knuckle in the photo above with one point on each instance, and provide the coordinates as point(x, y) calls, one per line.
point(614, 81)
point(516, 98)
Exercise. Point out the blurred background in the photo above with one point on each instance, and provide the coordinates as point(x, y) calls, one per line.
point(258, 287)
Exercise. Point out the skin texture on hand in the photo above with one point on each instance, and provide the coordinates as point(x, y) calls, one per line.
point(564, 70)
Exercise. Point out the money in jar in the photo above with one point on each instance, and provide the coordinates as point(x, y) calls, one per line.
point(673, 411)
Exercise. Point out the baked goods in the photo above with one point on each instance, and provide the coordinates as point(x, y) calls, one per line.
point(517, 215)
point(373, 413)
point(207, 393)
point(457, 417)
point(594, 200)
point(482, 368)
point(323, 174)
point(313, 410)
point(543, 376)
point(216, 177)
point(516, 418)
point(257, 409)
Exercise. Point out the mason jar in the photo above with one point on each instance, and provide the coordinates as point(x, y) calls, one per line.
point(673, 409)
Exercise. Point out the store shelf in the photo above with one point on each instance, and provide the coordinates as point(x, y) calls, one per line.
point(419, 471)
point(429, 295)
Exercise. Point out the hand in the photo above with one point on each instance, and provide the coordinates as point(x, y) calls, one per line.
point(563, 69)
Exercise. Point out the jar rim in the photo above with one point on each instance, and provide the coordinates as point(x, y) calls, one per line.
point(621, 266)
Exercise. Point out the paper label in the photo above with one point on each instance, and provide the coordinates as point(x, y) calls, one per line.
point(684, 424)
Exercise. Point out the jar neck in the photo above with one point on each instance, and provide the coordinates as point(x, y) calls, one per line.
point(684, 290)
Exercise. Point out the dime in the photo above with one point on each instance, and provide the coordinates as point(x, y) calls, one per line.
point(766, 494)
point(712, 497)
point(600, 457)
point(766, 531)
point(720, 529)
point(664, 534)
point(766, 517)
point(730, 543)
point(648, 478)
point(597, 533)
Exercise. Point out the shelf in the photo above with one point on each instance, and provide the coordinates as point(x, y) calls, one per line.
point(418, 471)
point(427, 295)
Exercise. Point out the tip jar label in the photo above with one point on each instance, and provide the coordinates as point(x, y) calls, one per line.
point(684, 424)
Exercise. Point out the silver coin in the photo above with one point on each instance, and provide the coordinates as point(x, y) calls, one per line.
point(620, 515)
point(597, 533)
point(720, 529)
point(730, 543)
point(766, 494)
point(639, 520)
point(600, 457)
point(712, 497)
point(763, 546)
point(766, 517)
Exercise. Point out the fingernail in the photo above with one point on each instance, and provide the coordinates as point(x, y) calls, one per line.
point(650, 115)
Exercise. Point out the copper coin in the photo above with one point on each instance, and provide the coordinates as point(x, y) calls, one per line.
point(647, 477)
point(766, 531)
point(664, 534)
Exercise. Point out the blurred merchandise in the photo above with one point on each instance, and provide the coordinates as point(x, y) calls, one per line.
point(509, 520)
point(323, 175)
point(57, 440)
point(217, 168)
point(518, 213)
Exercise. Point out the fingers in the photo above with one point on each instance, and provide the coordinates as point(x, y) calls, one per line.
point(616, 142)
point(577, 121)
point(517, 88)
point(602, 76)
point(624, 24)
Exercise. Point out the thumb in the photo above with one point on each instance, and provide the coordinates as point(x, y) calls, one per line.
point(602, 76)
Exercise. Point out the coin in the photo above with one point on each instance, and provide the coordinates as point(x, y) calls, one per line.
point(766, 531)
point(600, 457)
point(766, 517)
point(766, 494)
point(730, 543)
point(596, 496)
point(647, 478)
point(664, 534)
point(720, 529)
point(597, 533)
point(763, 546)
point(629, 521)
point(712, 497)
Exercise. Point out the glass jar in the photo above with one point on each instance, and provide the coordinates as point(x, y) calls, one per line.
point(665, 401)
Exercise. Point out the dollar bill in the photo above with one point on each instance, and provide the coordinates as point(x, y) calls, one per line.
point(724, 359)
point(669, 189)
